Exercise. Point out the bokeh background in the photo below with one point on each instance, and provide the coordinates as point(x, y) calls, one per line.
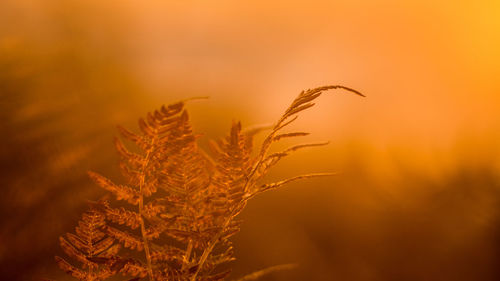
point(418, 191)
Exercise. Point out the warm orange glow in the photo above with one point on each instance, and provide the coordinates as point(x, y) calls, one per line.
point(417, 197)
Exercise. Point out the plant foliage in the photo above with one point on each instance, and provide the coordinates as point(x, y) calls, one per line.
point(180, 204)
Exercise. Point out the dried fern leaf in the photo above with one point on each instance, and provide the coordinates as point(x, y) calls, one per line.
point(275, 185)
point(75, 240)
point(90, 243)
point(294, 110)
point(238, 174)
point(72, 251)
point(289, 135)
point(181, 192)
point(122, 192)
point(271, 159)
point(224, 257)
point(127, 239)
point(133, 159)
point(71, 270)
point(132, 175)
point(172, 161)
point(282, 124)
point(153, 208)
point(138, 140)
point(104, 248)
point(122, 216)
point(134, 268)
point(167, 253)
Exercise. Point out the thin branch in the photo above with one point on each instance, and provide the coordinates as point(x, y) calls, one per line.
point(257, 274)
point(274, 185)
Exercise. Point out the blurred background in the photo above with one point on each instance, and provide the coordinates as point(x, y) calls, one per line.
point(418, 191)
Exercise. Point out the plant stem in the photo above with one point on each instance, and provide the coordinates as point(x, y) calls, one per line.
point(187, 256)
point(141, 210)
point(213, 242)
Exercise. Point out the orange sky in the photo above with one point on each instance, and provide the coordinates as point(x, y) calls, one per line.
point(429, 69)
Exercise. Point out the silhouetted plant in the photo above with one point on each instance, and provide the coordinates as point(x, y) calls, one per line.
point(182, 203)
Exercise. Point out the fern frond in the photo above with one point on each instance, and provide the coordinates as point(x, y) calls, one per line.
point(138, 140)
point(301, 103)
point(183, 195)
point(132, 175)
point(90, 242)
point(134, 268)
point(104, 249)
point(127, 239)
point(121, 192)
point(274, 185)
point(170, 161)
point(167, 253)
point(71, 270)
point(224, 257)
point(132, 159)
point(122, 216)
point(72, 251)
point(153, 208)
point(273, 158)
point(234, 164)
point(289, 135)
point(238, 174)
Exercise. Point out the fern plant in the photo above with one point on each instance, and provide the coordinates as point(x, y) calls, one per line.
point(182, 203)
point(88, 244)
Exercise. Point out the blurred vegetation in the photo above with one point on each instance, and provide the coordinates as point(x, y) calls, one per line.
point(59, 99)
